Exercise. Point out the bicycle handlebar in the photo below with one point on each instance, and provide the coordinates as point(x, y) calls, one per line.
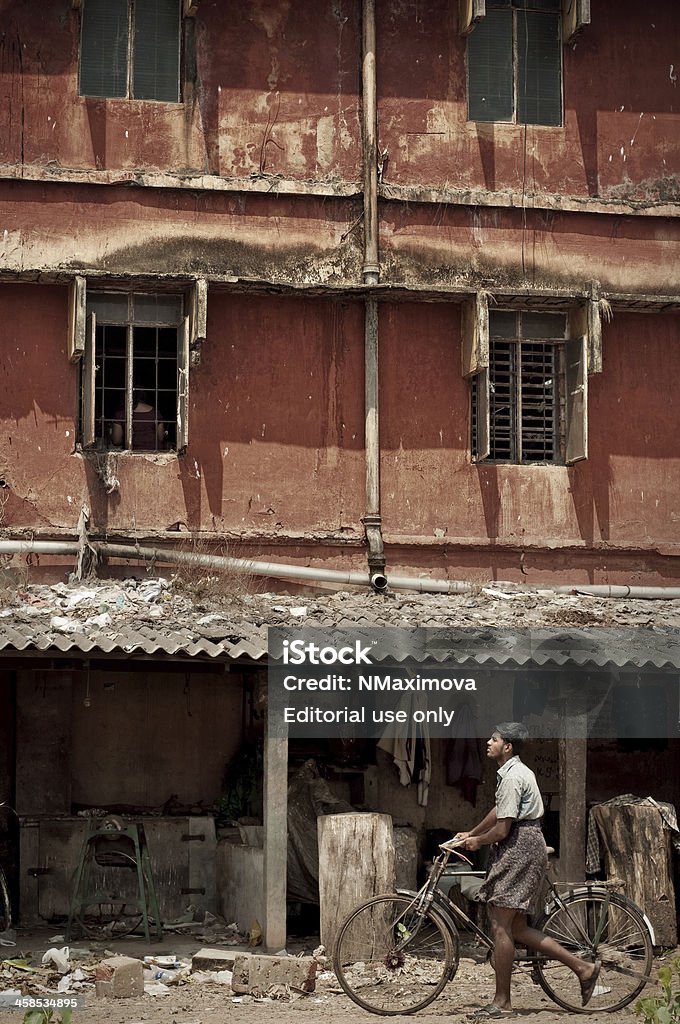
point(452, 847)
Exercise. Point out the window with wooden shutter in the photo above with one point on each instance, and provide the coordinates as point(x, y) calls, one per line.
point(517, 401)
point(134, 378)
point(131, 48)
point(515, 63)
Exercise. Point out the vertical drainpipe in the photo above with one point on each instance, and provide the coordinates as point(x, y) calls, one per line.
point(371, 274)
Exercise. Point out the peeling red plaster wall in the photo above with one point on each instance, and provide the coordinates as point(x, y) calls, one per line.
point(619, 136)
point(622, 494)
point(275, 421)
point(276, 90)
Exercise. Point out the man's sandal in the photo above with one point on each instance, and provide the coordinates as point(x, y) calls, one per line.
point(490, 1012)
point(588, 986)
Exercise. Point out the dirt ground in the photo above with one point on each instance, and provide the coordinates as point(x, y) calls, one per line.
point(212, 1003)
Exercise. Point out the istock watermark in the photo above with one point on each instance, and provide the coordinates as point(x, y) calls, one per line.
point(371, 682)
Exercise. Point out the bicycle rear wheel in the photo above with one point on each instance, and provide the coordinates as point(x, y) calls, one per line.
point(598, 926)
point(391, 958)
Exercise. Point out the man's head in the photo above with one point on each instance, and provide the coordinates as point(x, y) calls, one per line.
point(507, 740)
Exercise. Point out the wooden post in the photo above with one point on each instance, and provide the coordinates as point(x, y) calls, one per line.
point(356, 861)
point(637, 850)
point(572, 758)
point(275, 841)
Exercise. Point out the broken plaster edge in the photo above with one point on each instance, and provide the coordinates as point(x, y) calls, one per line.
point(279, 185)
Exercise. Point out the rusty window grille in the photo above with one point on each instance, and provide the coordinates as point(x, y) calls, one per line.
point(136, 340)
point(131, 49)
point(514, 58)
point(525, 391)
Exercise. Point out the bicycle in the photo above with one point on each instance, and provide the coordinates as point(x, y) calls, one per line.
point(395, 953)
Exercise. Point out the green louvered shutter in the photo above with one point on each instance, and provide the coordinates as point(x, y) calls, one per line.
point(539, 68)
point(156, 50)
point(490, 68)
point(104, 48)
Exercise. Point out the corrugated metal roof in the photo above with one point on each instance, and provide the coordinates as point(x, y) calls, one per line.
point(500, 625)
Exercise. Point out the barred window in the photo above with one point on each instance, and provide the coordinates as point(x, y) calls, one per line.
point(525, 387)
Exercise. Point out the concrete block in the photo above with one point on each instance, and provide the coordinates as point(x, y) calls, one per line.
point(215, 959)
point(256, 974)
point(119, 977)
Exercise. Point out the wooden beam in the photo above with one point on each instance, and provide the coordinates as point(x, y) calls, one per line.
point(275, 839)
point(572, 748)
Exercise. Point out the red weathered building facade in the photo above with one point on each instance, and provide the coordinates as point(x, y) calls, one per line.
point(254, 184)
point(398, 282)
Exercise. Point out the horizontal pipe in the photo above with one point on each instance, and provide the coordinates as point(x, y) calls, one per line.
point(244, 565)
point(302, 572)
point(634, 593)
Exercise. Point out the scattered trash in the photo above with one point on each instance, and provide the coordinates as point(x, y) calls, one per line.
point(171, 960)
point(156, 988)
point(255, 934)
point(8, 995)
point(59, 957)
point(18, 965)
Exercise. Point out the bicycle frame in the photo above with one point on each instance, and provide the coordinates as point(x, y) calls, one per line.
point(430, 896)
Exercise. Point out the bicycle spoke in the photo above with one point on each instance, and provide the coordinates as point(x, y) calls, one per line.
point(391, 959)
point(613, 932)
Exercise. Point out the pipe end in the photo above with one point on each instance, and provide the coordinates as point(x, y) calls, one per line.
point(379, 582)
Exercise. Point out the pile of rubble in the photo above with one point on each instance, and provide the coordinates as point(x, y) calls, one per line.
point(66, 972)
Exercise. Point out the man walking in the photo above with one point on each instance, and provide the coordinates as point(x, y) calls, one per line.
point(517, 866)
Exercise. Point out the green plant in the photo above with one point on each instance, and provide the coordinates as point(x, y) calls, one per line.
point(40, 1016)
point(665, 1008)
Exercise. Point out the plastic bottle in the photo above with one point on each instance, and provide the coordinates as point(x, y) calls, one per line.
point(165, 976)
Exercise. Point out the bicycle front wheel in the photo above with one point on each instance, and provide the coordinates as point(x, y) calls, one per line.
point(598, 926)
point(392, 958)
